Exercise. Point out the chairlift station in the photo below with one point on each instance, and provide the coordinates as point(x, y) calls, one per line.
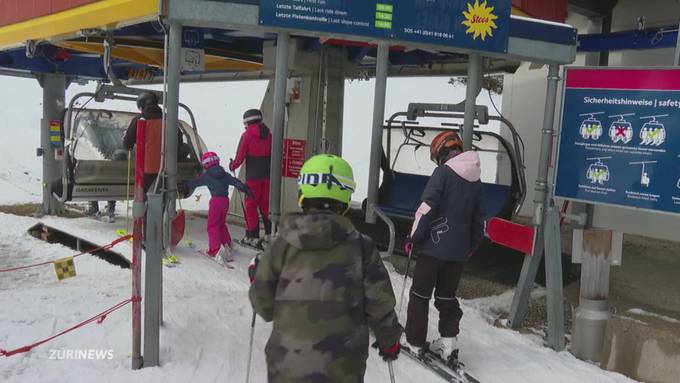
point(306, 52)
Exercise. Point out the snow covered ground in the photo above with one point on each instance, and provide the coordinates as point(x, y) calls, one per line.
point(207, 313)
point(207, 318)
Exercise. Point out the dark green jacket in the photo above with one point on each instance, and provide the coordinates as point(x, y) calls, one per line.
point(323, 285)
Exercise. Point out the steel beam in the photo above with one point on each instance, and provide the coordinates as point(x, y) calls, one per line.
point(171, 106)
point(280, 81)
point(553, 277)
point(525, 284)
point(474, 82)
point(382, 65)
point(153, 274)
point(54, 94)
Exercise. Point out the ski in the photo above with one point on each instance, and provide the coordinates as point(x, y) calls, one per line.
point(435, 364)
point(458, 369)
point(228, 265)
point(102, 218)
point(431, 364)
point(170, 261)
point(258, 247)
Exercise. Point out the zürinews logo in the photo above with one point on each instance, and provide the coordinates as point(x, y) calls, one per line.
point(479, 20)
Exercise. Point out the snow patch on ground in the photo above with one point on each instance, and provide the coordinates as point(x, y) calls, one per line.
point(19, 180)
point(649, 314)
point(207, 320)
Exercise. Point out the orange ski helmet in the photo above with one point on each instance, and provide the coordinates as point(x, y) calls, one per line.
point(444, 141)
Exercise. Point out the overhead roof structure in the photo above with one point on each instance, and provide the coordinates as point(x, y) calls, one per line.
point(70, 41)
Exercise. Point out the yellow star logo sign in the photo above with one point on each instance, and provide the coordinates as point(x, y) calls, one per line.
point(479, 19)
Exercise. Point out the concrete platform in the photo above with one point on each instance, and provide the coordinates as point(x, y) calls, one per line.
point(643, 346)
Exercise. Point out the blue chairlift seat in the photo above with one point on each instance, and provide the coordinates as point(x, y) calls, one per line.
point(403, 198)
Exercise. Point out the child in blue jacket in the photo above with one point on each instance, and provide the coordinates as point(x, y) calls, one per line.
point(218, 181)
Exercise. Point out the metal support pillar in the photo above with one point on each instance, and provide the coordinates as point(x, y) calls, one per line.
point(54, 93)
point(474, 83)
point(138, 213)
point(553, 277)
point(280, 81)
point(153, 273)
point(381, 68)
point(531, 262)
point(172, 116)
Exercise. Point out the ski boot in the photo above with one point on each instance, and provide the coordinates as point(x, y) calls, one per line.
point(92, 209)
point(447, 350)
point(224, 256)
point(110, 212)
point(252, 242)
point(420, 351)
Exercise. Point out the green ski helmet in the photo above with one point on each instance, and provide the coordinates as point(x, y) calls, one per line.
point(326, 176)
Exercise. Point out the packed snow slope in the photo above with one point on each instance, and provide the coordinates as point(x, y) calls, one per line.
point(206, 321)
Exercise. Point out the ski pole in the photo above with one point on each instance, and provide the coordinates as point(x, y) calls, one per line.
point(391, 369)
point(240, 195)
point(403, 287)
point(250, 346)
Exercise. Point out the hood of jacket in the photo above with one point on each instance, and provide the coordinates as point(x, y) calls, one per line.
point(257, 130)
point(152, 112)
point(466, 165)
point(315, 231)
point(217, 172)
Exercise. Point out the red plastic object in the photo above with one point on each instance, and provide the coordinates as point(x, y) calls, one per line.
point(512, 235)
point(553, 10)
point(177, 229)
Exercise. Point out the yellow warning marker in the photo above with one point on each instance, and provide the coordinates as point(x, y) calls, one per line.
point(65, 268)
point(123, 233)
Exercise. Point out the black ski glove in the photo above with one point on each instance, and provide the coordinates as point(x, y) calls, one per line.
point(249, 193)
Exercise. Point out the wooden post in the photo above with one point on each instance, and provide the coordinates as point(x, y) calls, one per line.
point(592, 314)
point(596, 263)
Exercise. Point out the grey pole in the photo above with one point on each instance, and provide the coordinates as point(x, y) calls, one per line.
point(553, 277)
point(381, 68)
point(172, 117)
point(280, 81)
point(54, 94)
point(531, 262)
point(153, 273)
point(472, 91)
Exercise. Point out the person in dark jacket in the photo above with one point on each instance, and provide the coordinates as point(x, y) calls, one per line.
point(218, 181)
point(448, 228)
point(147, 104)
point(324, 285)
point(255, 149)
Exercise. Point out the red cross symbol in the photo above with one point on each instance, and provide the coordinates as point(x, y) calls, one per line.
point(620, 131)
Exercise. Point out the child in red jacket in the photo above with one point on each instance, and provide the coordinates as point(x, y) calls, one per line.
point(255, 149)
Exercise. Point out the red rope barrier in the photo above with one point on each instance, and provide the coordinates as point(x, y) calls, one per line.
point(99, 318)
point(105, 247)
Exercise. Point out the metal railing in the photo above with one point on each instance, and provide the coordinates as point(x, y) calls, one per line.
point(393, 233)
